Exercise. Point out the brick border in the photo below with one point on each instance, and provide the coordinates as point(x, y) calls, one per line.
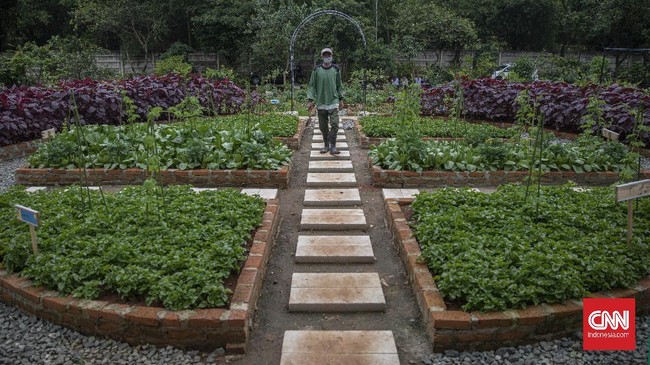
point(476, 331)
point(198, 178)
point(201, 329)
point(436, 178)
point(18, 150)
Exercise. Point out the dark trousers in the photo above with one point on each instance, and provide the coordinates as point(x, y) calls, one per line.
point(328, 122)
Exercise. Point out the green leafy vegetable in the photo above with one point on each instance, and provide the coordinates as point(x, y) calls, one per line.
point(495, 252)
point(180, 260)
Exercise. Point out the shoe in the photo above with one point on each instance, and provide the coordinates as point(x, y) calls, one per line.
point(324, 149)
point(332, 141)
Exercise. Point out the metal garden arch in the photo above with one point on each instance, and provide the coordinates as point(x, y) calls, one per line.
point(313, 16)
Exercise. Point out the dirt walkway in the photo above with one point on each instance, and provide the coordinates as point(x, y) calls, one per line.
point(273, 318)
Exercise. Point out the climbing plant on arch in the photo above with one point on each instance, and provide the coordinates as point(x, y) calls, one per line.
point(306, 21)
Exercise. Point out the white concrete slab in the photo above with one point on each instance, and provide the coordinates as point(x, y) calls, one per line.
point(331, 179)
point(263, 193)
point(336, 292)
point(316, 155)
point(331, 197)
point(331, 166)
point(33, 189)
point(333, 219)
point(197, 190)
point(399, 193)
point(341, 131)
point(339, 145)
point(357, 342)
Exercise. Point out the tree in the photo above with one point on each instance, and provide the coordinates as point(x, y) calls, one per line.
point(25, 21)
point(423, 25)
point(222, 27)
point(525, 24)
point(139, 25)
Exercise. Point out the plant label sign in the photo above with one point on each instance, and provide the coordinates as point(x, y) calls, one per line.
point(633, 190)
point(48, 133)
point(628, 192)
point(33, 218)
point(28, 215)
point(610, 135)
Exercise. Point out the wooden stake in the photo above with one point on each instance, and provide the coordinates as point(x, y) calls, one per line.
point(32, 231)
point(629, 223)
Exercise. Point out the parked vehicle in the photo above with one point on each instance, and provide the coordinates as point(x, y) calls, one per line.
point(503, 71)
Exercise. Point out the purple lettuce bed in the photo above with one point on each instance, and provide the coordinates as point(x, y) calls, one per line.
point(26, 111)
point(563, 105)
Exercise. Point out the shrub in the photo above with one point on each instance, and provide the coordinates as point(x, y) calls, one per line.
point(173, 64)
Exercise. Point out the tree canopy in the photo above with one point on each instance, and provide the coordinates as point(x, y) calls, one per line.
point(254, 34)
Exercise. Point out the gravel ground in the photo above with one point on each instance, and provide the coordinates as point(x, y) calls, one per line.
point(566, 350)
point(25, 339)
point(7, 172)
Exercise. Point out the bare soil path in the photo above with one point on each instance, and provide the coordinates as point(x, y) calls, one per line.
point(273, 318)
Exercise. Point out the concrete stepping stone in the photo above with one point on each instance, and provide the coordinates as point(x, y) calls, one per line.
point(263, 193)
point(399, 193)
point(319, 145)
point(333, 219)
point(332, 197)
point(33, 189)
point(341, 131)
point(339, 347)
point(331, 166)
point(334, 249)
point(319, 138)
point(336, 292)
point(316, 155)
point(331, 179)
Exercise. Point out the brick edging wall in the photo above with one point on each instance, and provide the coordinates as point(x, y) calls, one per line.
point(18, 150)
point(198, 178)
point(436, 178)
point(455, 329)
point(201, 329)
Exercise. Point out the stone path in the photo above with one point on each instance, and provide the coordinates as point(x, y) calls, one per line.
point(326, 210)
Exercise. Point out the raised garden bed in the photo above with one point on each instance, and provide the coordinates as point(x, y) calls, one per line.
point(437, 179)
point(201, 326)
point(382, 128)
point(450, 327)
point(406, 163)
point(203, 152)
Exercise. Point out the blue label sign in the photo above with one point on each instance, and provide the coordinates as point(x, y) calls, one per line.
point(27, 215)
point(275, 101)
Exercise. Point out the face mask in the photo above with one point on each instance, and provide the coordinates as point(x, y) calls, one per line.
point(327, 59)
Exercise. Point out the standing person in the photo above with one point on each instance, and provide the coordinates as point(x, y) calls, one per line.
point(326, 94)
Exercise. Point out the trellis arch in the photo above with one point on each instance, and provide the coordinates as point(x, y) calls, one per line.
point(313, 16)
